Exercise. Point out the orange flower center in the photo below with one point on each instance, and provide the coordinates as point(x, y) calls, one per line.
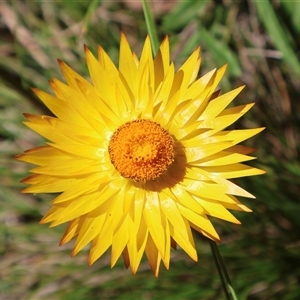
point(141, 150)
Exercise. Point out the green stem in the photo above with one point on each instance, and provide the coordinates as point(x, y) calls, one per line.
point(87, 18)
point(225, 279)
point(150, 26)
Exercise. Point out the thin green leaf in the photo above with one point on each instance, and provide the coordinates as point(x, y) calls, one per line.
point(225, 279)
point(91, 8)
point(220, 52)
point(150, 26)
point(293, 9)
point(184, 13)
point(277, 33)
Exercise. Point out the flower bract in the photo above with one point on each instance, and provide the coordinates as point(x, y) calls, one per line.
point(139, 155)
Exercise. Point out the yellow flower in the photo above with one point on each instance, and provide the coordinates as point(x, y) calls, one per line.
point(140, 156)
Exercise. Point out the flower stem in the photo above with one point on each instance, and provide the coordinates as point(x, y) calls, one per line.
point(87, 18)
point(225, 279)
point(150, 26)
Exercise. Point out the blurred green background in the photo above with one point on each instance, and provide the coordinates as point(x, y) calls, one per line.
point(260, 40)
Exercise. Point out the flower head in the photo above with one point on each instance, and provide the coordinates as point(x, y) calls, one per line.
point(139, 156)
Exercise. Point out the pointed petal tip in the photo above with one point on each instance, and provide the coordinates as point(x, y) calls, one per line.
point(18, 156)
point(154, 268)
point(93, 257)
point(166, 38)
point(217, 240)
point(74, 252)
point(215, 237)
point(260, 128)
point(193, 255)
point(62, 242)
point(43, 221)
point(113, 262)
point(86, 49)
point(27, 115)
point(246, 209)
point(52, 225)
point(122, 37)
point(259, 172)
point(225, 66)
point(35, 90)
point(24, 180)
point(133, 271)
point(26, 190)
point(197, 50)
point(90, 262)
point(100, 48)
point(60, 62)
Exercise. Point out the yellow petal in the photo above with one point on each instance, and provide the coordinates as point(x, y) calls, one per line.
point(71, 231)
point(85, 151)
point(153, 256)
point(40, 125)
point(83, 186)
point(234, 171)
point(194, 154)
point(41, 155)
point(216, 106)
point(162, 62)
point(106, 62)
point(185, 199)
point(199, 220)
point(105, 229)
point(60, 108)
point(141, 237)
point(226, 186)
point(127, 65)
point(218, 210)
point(120, 239)
point(70, 168)
point(71, 76)
point(146, 59)
point(207, 190)
point(152, 217)
point(179, 228)
point(47, 184)
point(89, 229)
point(81, 105)
point(185, 75)
point(237, 136)
point(224, 158)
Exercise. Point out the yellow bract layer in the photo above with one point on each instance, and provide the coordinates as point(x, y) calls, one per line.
point(109, 202)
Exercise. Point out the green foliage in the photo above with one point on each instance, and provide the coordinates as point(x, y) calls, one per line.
point(279, 35)
point(259, 41)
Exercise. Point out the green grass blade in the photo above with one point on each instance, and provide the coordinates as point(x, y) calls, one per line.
point(293, 9)
point(150, 26)
point(225, 279)
point(277, 33)
point(91, 8)
point(183, 14)
point(220, 52)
